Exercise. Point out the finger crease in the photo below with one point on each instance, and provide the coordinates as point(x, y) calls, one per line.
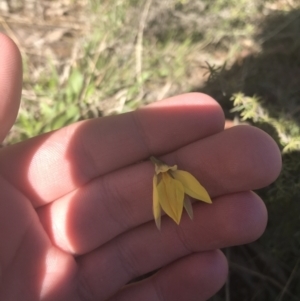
point(127, 260)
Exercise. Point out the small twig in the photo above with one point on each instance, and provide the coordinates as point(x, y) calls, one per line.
point(263, 277)
point(87, 80)
point(227, 285)
point(78, 26)
point(139, 43)
point(279, 28)
point(164, 91)
point(11, 33)
point(289, 281)
point(67, 68)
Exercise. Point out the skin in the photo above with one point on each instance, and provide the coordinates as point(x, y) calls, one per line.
point(76, 217)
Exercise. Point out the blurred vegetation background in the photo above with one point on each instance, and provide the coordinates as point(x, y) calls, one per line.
point(88, 58)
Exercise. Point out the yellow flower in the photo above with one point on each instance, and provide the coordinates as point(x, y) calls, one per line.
point(171, 188)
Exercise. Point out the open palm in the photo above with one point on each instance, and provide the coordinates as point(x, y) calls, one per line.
point(76, 218)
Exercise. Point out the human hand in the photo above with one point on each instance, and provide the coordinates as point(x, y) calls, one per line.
point(76, 218)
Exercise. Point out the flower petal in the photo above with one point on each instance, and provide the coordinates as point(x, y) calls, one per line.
point(191, 186)
point(170, 196)
point(156, 205)
point(188, 206)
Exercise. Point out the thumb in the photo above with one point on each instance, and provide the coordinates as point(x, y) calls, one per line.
point(10, 84)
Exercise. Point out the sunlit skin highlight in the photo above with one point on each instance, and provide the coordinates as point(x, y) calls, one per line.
point(171, 191)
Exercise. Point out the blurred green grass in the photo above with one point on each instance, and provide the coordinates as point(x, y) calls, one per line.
point(246, 54)
point(115, 70)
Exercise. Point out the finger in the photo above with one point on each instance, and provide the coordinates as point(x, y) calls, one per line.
point(194, 278)
point(58, 162)
point(243, 157)
point(240, 159)
point(10, 83)
point(231, 220)
point(30, 267)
